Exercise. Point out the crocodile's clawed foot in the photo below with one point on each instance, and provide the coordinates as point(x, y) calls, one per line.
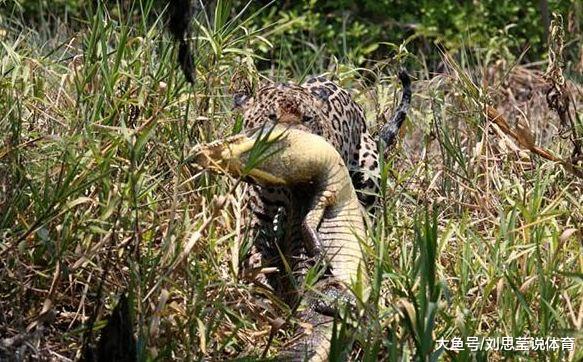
point(332, 299)
point(321, 307)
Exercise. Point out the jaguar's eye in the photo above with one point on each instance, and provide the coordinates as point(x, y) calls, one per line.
point(306, 119)
point(272, 117)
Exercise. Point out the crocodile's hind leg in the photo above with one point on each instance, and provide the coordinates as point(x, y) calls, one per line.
point(312, 220)
point(321, 306)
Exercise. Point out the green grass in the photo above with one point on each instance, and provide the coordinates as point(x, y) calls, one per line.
point(474, 236)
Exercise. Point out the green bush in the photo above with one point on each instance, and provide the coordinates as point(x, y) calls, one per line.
point(357, 31)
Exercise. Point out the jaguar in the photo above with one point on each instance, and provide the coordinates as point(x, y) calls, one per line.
point(321, 107)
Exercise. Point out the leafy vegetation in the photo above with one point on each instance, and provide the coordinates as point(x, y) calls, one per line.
point(478, 233)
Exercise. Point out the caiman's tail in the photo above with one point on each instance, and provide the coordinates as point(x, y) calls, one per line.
point(390, 130)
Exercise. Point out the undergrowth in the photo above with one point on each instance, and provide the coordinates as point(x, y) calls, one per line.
point(475, 235)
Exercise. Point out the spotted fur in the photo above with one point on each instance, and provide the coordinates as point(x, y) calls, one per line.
point(322, 107)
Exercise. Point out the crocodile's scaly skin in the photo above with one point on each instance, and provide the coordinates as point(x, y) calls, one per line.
point(321, 107)
point(328, 211)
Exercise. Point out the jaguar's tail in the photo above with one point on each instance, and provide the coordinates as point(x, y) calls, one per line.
point(390, 130)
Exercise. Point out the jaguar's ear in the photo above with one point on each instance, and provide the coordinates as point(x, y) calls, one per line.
point(241, 88)
point(241, 101)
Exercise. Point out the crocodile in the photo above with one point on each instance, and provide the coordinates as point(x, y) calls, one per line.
point(328, 213)
point(322, 107)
